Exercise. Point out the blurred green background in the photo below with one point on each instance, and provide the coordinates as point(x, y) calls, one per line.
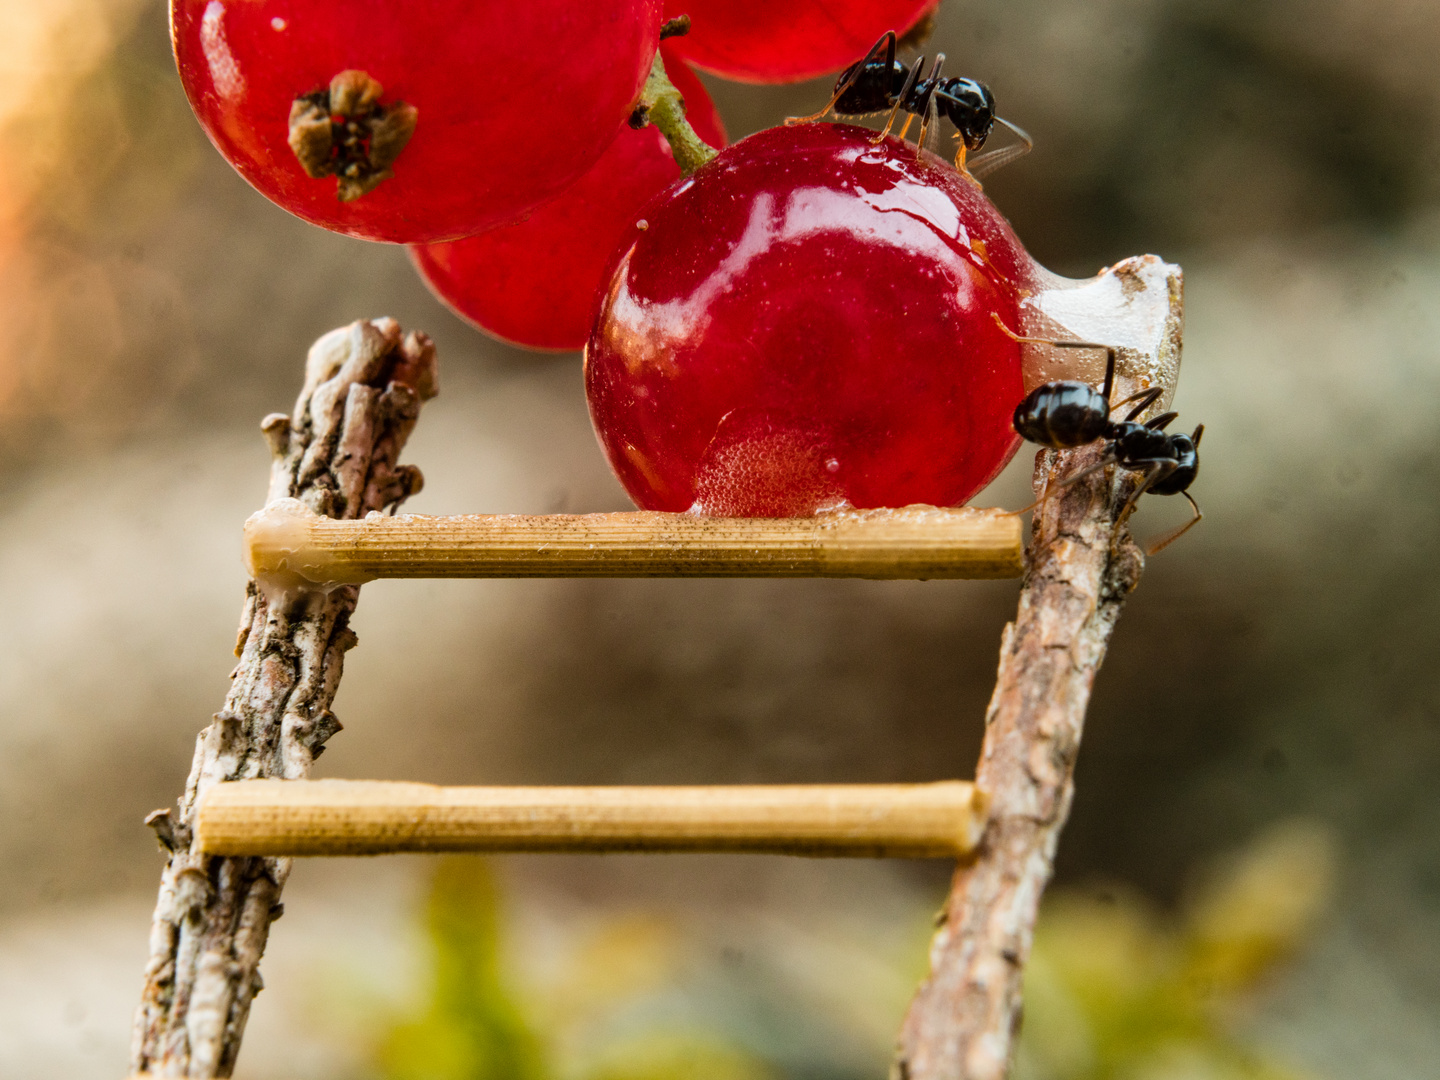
point(1250, 882)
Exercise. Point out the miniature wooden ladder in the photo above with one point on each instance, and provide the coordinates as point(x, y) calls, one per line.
point(288, 546)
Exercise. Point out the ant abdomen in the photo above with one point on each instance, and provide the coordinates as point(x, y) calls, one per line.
point(873, 94)
point(1063, 415)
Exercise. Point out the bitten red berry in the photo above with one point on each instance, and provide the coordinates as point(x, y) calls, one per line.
point(445, 117)
point(808, 322)
point(535, 283)
point(779, 41)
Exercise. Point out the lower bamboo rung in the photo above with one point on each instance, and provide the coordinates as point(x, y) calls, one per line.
point(371, 817)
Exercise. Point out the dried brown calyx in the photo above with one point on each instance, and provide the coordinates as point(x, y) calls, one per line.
point(342, 131)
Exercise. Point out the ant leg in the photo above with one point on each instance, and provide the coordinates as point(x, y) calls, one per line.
point(1161, 422)
point(1146, 398)
point(1055, 489)
point(899, 100)
point(1109, 349)
point(1155, 471)
point(1109, 356)
point(888, 40)
point(924, 129)
point(960, 163)
point(1174, 534)
point(910, 119)
point(992, 160)
point(928, 112)
point(791, 121)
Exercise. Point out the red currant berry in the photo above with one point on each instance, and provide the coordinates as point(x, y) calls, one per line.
point(779, 41)
point(412, 122)
point(534, 283)
point(808, 321)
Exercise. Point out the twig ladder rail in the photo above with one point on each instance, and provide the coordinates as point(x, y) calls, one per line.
point(337, 452)
point(230, 844)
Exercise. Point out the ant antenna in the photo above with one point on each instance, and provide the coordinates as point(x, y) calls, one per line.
point(992, 160)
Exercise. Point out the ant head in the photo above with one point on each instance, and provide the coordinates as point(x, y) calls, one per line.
point(971, 108)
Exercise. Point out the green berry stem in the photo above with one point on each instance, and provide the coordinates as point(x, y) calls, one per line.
point(662, 105)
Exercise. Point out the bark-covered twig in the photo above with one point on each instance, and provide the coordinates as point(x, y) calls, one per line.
point(337, 453)
point(1081, 567)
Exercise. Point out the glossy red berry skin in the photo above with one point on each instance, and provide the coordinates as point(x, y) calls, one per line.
point(808, 322)
point(534, 283)
point(515, 100)
point(780, 41)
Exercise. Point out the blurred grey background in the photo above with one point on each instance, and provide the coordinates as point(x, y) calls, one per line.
point(1279, 662)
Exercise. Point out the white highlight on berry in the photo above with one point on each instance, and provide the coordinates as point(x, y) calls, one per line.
point(224, 71)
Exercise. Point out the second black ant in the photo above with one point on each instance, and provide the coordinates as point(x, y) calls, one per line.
point(1064, 415)
point(878, 82)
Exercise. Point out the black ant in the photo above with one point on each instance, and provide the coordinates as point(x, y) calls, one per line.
point(1063, 415)
point(878, 82)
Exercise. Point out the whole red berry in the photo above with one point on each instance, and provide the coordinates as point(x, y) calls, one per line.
point(808, 321)
point(534, 283)
point(779, 41)
point(412, 122)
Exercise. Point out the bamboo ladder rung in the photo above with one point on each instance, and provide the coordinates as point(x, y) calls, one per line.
point(289, 544)
point(943, 819)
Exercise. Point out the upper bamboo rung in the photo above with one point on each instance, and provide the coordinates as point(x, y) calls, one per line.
point(371, 817)
point(286, 540)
